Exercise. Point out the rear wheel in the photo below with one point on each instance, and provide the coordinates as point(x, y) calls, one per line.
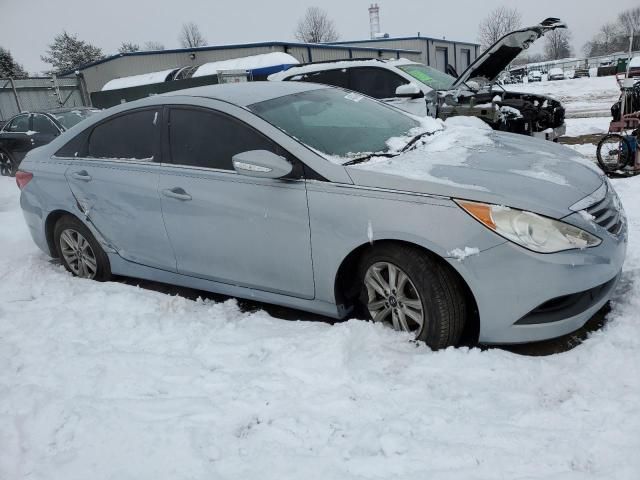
point(79, 251)
point(614, 153)
point(410, 291)
point(7, 165)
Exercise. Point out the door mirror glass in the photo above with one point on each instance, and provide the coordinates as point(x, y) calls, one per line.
point(410, 90)
point(261, 163)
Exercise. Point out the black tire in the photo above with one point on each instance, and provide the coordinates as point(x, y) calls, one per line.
point(7, 164)
point(614, 153)
point(440, 291)
point(69, 223)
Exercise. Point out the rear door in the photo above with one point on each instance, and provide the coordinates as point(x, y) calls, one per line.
point(115, 181)
point(16, 138)
point(230, 228)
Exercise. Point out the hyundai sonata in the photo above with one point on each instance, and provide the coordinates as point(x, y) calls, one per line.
point(325, 200)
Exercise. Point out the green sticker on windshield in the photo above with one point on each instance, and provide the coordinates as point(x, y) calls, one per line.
point(423, 77)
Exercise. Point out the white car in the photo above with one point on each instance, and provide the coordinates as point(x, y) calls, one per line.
point(556, 74)
point(534, 76)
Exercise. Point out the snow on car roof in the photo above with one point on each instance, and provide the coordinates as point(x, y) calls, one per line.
point(635, 62)
point(322, 66)
point(137, 80)
point(246, 63)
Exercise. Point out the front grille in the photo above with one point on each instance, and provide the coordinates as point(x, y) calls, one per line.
point(607, 213)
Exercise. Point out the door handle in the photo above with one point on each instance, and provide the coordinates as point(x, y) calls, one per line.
point(177, 193)
point(81, 175)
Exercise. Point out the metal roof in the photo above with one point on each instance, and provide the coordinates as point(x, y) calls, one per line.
point(234, 46)
point(388, 39)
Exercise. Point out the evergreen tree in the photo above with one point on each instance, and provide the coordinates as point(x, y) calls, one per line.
point(67, 52)
point(9, 68)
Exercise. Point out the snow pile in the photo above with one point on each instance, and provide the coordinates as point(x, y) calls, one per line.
point(451, 145)
point(110, 381)
point(461, 253)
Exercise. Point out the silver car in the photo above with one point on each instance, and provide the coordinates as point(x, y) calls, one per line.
point(253, 191)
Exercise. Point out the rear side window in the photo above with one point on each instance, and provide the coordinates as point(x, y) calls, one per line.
point(204, 138)
point(336, 78)
point(131, 136)
point(19, 124)
point(42, 124)
point(375, 82)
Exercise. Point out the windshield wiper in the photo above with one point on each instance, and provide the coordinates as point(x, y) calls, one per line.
point(415, 139)
point(369, 157)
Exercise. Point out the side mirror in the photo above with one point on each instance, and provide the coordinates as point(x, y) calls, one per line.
point(410, 90)
point(261, 163)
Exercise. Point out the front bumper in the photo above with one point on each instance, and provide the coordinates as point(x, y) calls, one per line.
point(511, 283)
point(551, 134)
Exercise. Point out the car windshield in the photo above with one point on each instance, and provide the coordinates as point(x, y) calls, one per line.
point(336, 122)
point(431, 77)
point(72, 117)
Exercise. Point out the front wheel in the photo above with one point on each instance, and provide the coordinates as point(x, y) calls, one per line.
point(7, 165)
point(411, 291)
point(614, 153)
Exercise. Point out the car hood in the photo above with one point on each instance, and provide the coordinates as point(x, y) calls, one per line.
point(496, 58)
point(512, 170)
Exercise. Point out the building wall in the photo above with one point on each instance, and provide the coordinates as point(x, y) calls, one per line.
point(123, 66)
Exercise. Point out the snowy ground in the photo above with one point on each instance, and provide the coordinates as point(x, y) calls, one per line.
point(110, 381)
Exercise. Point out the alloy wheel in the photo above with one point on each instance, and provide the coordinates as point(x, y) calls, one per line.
point(78, 254)
point(393, 298)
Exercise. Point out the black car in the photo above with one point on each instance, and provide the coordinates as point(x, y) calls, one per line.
point(29, 130)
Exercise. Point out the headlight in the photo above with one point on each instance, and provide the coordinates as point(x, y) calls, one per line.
point(529, 230)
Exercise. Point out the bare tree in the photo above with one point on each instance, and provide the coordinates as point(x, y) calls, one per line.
point(151, 45)
point(316, 27)
point(191, 37)
point(497, 24)
point(630, 23)
point(557, 44)
point(129, 47)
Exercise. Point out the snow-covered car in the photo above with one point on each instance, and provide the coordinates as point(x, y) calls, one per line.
point(423, 90)
point(325, 200)
point(634, 67)
point(556, 74)
point(534, 76)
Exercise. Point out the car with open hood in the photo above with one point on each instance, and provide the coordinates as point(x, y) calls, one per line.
point(423, 90)
point(325, 200)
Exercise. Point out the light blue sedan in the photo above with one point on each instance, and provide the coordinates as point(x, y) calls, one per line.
point(324, 200)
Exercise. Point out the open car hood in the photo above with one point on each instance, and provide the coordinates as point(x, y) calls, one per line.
point(496, 58)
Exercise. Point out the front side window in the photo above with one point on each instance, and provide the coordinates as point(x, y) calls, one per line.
point(375, 82)
point(42, 124)
point(431, 77)
point(131, 136)
point(336, 122)
point(19, 124)
point(204, 138)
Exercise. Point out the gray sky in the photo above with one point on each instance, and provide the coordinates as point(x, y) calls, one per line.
point(28, 26)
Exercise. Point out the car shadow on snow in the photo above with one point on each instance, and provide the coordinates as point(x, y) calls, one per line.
point(549, 347)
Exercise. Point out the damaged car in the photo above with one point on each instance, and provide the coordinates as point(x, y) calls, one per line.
point(423, 90)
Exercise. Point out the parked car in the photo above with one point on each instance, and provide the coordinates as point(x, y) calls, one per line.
point(556, 74)
point(254, 190)
point(634, 67)
point(534, 76)
point(29, 130)
point(422, 90)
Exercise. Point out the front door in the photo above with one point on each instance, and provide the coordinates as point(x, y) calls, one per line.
point(43, 130)
point(226, 227)
point(115, 181)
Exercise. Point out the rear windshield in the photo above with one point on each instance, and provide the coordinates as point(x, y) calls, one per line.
point(431, 77)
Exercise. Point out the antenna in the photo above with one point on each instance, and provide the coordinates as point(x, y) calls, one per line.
point(374, 20)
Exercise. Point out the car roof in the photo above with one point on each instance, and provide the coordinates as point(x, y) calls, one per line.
point(245, 93)
point(337, 64)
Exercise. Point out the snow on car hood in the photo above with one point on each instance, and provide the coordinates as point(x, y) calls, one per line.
point(496, 58)
point(466, 159)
